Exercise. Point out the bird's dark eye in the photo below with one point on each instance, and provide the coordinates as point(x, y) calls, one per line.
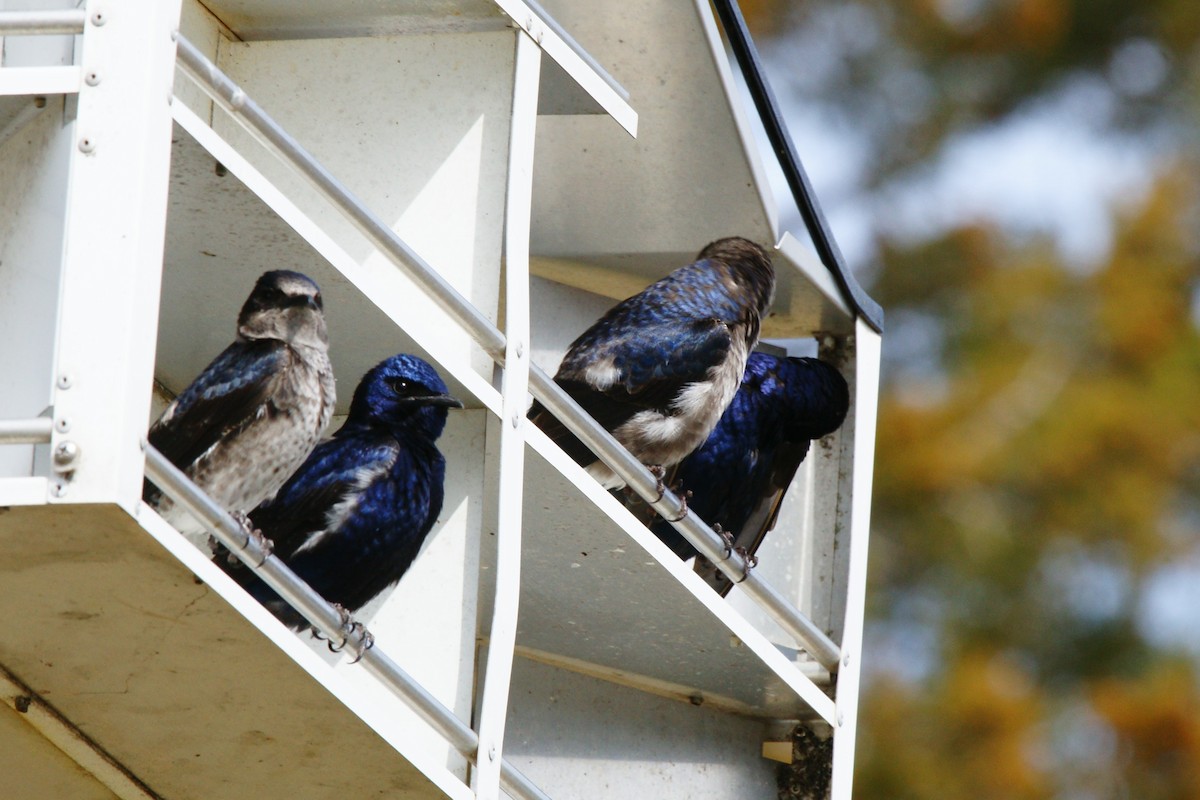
point(401, 386)
point(320, 303)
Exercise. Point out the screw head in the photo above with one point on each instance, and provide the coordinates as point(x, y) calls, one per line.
point(846, 660)
point(64, 381)
point(58, 488)
point(66, 453)
point(87, 144)
point(99, 18)
point(62, 425)
point(92, 78)
point(492, 753)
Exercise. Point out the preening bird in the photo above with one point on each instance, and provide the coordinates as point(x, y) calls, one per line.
point(253, 415)
point(352, 518)
point(739, 475)
point(660, 367)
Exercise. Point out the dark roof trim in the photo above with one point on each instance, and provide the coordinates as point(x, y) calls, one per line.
point(768, 110)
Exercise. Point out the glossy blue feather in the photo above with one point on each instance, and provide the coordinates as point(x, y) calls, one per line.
point(352, 519)
point(750, 457)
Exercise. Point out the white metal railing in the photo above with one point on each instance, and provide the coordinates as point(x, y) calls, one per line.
point(26, 431)
point(43, 80)
point(541, 386)
point(43, 23)
point(342, 634)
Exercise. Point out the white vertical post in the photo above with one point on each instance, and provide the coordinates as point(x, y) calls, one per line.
point(866, 403)
point(113, 249)
point(518, 203)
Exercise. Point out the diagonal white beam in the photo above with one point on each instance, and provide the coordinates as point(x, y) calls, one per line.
point(575, 61)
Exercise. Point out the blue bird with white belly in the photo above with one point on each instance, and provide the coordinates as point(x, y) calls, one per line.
point(253, 415)
point(352, 518)
point(737, 478)
point(660, 367)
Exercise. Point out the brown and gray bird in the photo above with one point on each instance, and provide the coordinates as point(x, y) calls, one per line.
point(659, 368)
point(242, 427)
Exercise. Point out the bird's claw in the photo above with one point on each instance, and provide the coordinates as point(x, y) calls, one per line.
point(256, 543)
point(659, 472)
point(353, 633)
point(683, 506)
point(726, 537)
point(749, 560)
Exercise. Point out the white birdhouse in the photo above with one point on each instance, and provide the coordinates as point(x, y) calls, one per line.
point(475, 182)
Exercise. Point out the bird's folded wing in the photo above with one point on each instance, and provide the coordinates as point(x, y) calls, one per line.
point(763, 514)
point(639, 370)
point(229, 394)
point(302, 507)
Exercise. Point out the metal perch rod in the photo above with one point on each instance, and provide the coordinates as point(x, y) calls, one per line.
point(324, 617)
point(608, 449)
point(26, 431)
point(41, 23)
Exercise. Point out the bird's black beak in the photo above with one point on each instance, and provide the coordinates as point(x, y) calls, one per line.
point(441, 400)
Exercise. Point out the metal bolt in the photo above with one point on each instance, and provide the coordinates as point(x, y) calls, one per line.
point(64, 381)
point(841, 719)
point(846, 660)
point(516, 420)
point(62, 425)
point(520, 349)
point(92, 78)
point(22, 702)
point(492, 753)
point(58, 488)
point(87, 144)
point(98, 18)
point(66, 453)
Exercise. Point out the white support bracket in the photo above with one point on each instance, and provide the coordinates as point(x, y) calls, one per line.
point(104, 353)
point(867, 349)
point(502, 636)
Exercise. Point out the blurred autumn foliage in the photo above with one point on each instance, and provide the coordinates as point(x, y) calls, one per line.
point(1038, 458)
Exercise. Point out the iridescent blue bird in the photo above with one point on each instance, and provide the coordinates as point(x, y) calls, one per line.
point(254, 414)
point(352, 518)
point(660, 367)
point(737, 478)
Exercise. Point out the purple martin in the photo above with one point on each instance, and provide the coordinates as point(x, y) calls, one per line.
point(737, 478)
point(660, 367)
point(351, 520)
point(253, 415)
